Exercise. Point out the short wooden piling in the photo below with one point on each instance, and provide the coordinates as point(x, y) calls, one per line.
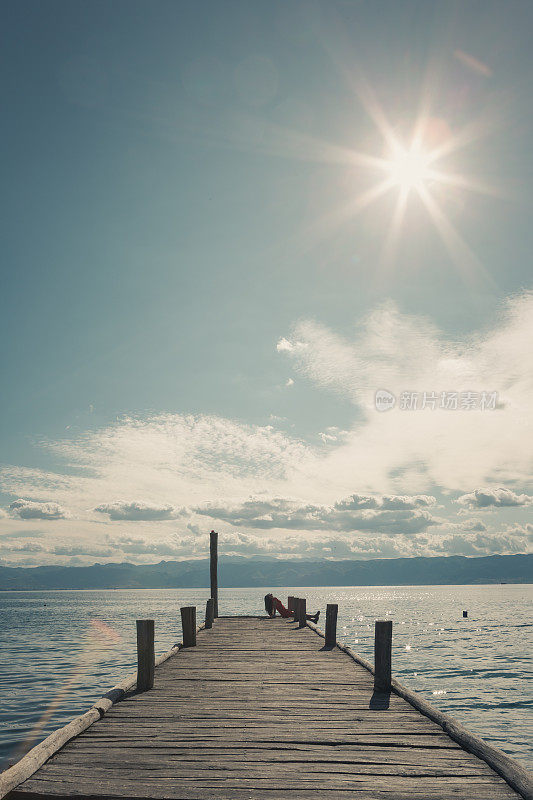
point(209, 613)
point(331, 624)
point(295, 606)
point(188, 624)
point(213, 552)
point(382, 655)
point(145, 654)
point(302, 612)
point(290, 604)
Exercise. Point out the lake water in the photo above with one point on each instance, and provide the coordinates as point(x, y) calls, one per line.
point(60, 650)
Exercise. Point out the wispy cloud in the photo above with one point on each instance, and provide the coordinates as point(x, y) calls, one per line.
point(411, 450)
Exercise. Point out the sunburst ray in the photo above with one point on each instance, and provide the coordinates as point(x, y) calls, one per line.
point(470, 267)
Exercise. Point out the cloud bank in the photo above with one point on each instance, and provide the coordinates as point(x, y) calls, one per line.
point(369, 489)
point(382, 514)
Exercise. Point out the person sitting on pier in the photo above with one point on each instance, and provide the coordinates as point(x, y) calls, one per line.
point(273, 604)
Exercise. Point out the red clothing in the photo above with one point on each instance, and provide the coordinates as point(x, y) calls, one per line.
point(280, 608)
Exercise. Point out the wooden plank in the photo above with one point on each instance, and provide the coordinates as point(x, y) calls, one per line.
point(362, 787)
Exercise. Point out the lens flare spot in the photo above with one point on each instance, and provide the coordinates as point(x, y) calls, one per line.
point(104, 632)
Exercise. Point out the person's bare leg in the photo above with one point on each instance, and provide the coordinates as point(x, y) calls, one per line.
point(280, 608)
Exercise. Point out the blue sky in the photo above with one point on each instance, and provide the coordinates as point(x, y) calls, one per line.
point(197, 310)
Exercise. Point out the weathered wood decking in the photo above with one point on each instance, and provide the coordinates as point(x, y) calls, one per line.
point(260, 709)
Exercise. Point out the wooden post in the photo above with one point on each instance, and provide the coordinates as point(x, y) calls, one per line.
point(382, 655)
point(209, 606)
point(290, 604)
point(188, 624)
point(295, 607)
point(331, 624)
point(302, 612)
point(213, 551)
point(145, 654)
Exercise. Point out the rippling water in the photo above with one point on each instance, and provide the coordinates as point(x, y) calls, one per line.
point(60, 651)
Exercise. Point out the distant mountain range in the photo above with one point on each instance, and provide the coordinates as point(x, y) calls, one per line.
point(242, 572)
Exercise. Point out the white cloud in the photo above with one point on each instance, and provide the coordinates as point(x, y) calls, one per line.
point(521, 530)
point(412, 450)
point(28, 509)
point(24, 533)
point(22, 547)
point(177, 546)
point(495, 498)
point(136, 511)
point(388, 502)
point(358, 501)
point(173, 459)
point(346, 515)
point(83, 549)
point(396, 502)
point(474, 525)
point(331, 434)
point(369, 489)
point(483, 544)
point(286, 346)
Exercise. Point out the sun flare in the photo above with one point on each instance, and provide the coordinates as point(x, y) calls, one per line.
point(418, 167)
point(408, 168)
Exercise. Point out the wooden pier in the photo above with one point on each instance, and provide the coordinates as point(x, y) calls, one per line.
point(263, 708)
point(260, 708)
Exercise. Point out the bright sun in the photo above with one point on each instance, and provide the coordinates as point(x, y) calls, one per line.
point(408, 169)
point(417, 167)
point(416, 170)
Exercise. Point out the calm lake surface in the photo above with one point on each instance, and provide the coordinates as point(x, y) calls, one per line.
point(60, 650)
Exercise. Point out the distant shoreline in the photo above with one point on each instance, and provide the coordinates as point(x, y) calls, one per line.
point(270, 586)
point(244, 573)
